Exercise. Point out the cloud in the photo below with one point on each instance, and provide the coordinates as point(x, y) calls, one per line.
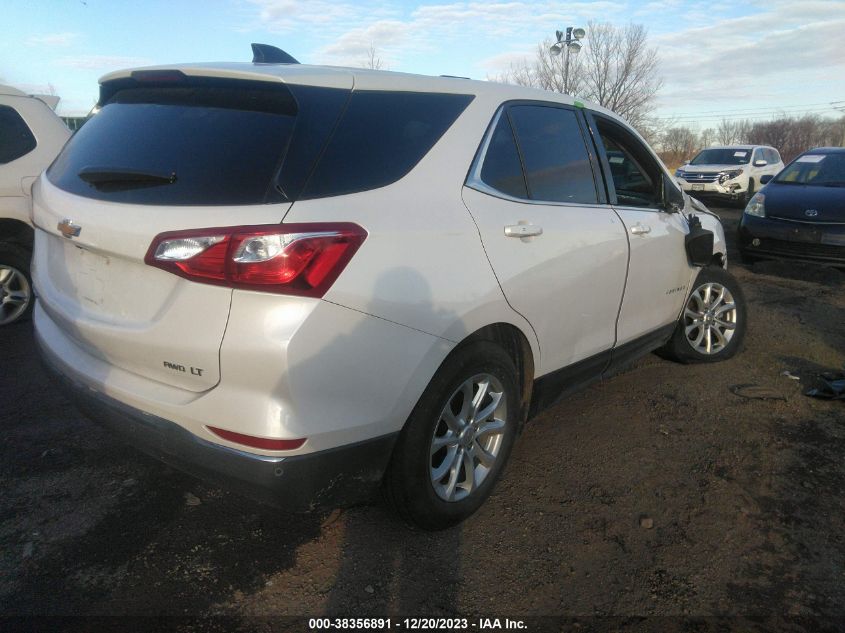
point(354, 45)
point(286, 15)
point(52, 39)
point(102, 62)
point(353, 27)
point(762, 56)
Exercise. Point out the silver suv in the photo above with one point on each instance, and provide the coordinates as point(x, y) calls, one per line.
point(730, 173)
point(307, 282)
point(30, 137)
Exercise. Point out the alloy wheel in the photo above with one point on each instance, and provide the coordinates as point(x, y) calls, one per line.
point(468, 437)
point(710, 318)
point(15, 294)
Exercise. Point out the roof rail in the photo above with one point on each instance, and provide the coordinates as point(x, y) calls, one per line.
point(266, 54)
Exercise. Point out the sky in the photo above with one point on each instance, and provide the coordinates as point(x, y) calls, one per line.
point(719, 59)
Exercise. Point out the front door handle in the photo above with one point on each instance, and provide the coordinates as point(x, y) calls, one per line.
point(640, 229)
point(523, 230)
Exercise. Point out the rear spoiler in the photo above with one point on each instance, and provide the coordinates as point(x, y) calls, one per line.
point(51, 100)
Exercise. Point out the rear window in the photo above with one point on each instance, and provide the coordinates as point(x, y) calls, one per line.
point(204, 141)
point(16, 139)
point(382, 136)
point(199, 142)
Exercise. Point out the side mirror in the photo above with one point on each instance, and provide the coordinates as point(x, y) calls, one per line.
point(672, 198)
point(760, 163)
point(765, 178)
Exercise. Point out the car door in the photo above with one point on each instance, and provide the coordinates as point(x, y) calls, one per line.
point(558, 250)
point(658, 271)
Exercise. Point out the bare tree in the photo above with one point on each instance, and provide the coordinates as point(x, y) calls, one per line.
point(616, 69)
point(621, 70)
point(679, 144)
point(726, 132)
point(792, 136)
point(707, 137)
point(372, 61)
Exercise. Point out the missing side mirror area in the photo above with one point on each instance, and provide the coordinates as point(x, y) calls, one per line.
point(672, 198)
point(698, 242)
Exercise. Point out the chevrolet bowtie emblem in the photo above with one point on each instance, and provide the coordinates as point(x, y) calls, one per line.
point(69, 229)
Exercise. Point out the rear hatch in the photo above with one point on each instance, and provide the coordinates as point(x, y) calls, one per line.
point(168, 151)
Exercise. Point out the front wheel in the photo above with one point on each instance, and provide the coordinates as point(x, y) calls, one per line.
point(457, 439)
point(749, 193)
point(713, 322)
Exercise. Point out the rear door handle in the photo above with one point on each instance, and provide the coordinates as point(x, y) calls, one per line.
point(640, 229)
point(523, 230)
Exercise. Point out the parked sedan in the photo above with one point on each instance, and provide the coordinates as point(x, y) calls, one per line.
point(800, 213)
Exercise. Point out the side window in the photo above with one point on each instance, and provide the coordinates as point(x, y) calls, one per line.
point(759, 154)
point(381, 138)
point(15, 137)
point(634, 174)
point(555, 157)
point(774, 157)
point(502, 169)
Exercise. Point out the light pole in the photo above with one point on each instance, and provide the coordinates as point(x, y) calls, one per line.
point(572, 44)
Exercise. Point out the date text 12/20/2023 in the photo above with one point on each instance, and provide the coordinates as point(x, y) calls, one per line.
point(415, 624)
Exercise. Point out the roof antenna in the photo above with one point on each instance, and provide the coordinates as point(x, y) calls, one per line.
point(266, 54)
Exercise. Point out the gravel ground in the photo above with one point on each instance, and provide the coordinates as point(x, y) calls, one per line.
point(656, 493)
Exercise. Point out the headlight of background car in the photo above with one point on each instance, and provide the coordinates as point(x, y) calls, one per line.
point(679, 173)
point(756, 207)
point(729, 175)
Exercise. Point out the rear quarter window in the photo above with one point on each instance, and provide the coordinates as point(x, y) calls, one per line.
point(554, 154)
point(16, 139)
point(381, 138)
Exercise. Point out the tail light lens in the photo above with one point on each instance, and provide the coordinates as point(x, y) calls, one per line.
point(267, 443)
point(296, 259)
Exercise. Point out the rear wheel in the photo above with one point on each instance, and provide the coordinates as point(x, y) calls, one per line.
point(457, 439)
point(16, 297)
point(712, 325)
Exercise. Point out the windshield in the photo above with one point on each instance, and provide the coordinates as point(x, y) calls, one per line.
point(815, 169)
point(722, 156)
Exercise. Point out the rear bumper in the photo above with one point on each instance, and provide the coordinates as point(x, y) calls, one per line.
point(323, 479)
point(773, 238)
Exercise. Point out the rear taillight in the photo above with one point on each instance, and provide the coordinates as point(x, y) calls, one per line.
point(296, 259)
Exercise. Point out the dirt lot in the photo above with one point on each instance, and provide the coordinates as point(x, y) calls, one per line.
point(745, 498)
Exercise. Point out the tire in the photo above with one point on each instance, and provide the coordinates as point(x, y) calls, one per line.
point(706, 317)
point(749, 193)
point(426, 481)
point(16, 296)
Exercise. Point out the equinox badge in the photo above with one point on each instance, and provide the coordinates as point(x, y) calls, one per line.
point(69, 229)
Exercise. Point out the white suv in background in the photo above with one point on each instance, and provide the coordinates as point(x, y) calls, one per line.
point(30, 137)
point(732, 172)
point(307, 282)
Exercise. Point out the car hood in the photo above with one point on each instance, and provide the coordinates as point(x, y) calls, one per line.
point(709, 169)
point(797, 202)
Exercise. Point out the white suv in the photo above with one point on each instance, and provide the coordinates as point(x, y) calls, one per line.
point(731, 172)
point(30, 137)
point(308, 281)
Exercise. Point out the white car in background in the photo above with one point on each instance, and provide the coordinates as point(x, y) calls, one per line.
point(730, 173)
point(31, 134)
point(307, 281)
